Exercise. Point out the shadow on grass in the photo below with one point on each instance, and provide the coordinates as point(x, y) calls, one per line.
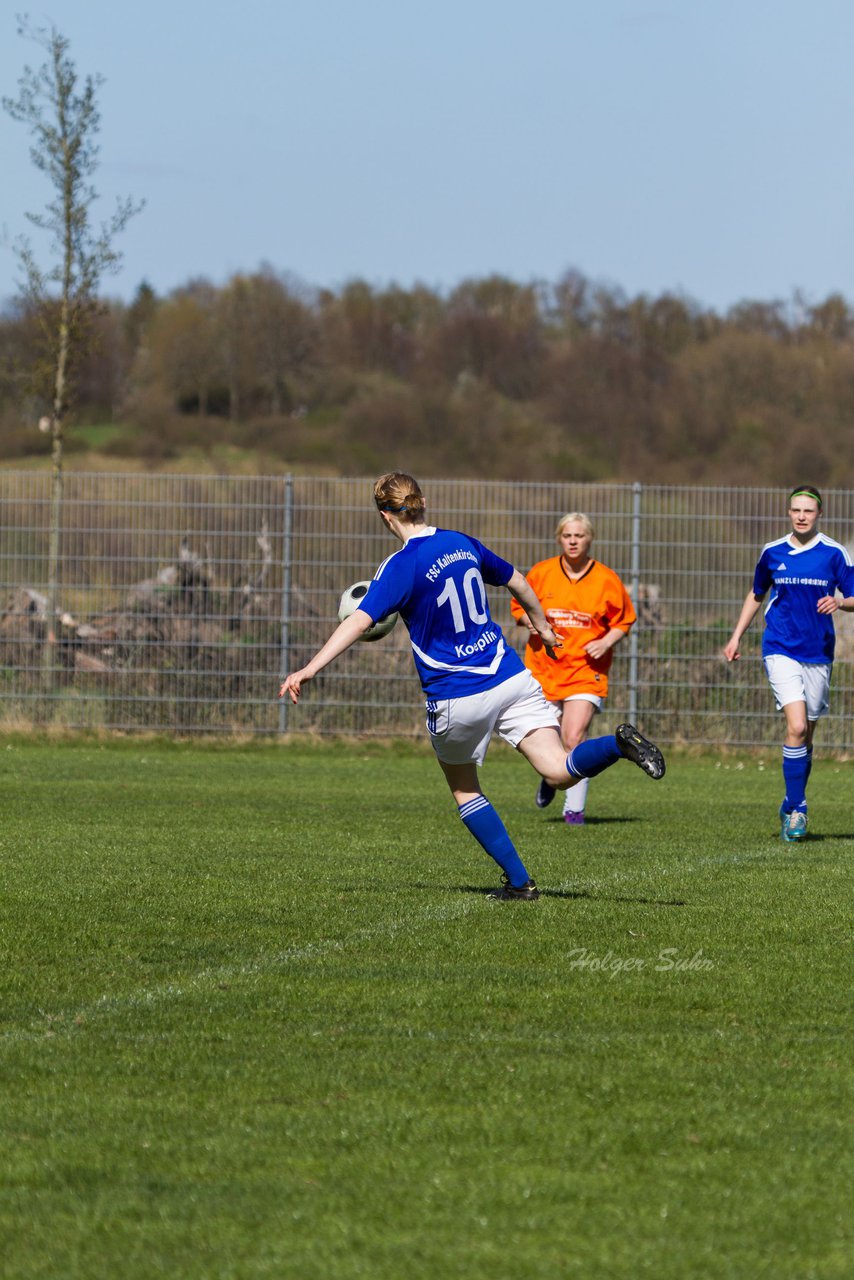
point(571, 894)
point(593, 822)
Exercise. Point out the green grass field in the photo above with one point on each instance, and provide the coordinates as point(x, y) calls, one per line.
point(259, 1019)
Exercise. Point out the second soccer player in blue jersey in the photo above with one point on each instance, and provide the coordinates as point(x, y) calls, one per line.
point(805, 573)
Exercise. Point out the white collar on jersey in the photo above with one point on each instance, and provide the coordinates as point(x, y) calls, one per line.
point(806, 546)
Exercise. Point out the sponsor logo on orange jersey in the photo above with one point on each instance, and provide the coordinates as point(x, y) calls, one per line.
point(565, 618)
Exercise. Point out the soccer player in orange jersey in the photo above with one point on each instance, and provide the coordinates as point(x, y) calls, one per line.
point(590, 611)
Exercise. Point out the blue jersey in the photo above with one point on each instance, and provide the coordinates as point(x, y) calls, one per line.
point(436, 583)
point(798, 578)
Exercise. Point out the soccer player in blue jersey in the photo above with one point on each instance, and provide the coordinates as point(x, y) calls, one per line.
point(803, 571)
point(473, 682)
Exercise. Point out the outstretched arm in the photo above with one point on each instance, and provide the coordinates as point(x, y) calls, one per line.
point(342, 637)
point(749, 610)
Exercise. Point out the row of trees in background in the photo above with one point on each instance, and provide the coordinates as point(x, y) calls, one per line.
point(494, 378)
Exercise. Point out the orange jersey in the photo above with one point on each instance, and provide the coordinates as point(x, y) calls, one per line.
point(578, 613)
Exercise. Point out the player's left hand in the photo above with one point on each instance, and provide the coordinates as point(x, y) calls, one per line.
point(828, 604)
point(596, 649)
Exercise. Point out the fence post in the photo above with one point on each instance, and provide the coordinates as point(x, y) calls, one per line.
point(287, 556)
point(637, 489)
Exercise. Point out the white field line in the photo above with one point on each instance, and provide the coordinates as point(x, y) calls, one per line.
point(67, 1021)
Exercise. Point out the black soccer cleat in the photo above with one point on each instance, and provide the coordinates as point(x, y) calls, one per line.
point(526, 892)
point(635, 747)
point(545, 794)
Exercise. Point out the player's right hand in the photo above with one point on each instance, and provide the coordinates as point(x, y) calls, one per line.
point(291, 685)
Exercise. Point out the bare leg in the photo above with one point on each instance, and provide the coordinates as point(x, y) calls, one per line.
point(463, 781)
point(575, 723)
point(799, 730)
point(543, 749)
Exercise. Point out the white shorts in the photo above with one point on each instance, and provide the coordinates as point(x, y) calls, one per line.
point(595, 699)
point(793, 681)
point(460, 728)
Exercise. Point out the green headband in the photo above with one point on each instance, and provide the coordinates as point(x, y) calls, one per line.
point(806, 493)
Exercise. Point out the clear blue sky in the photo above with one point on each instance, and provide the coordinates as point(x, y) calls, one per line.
point(699, 146)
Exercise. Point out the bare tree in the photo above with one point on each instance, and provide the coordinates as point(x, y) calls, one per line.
point(63, 121)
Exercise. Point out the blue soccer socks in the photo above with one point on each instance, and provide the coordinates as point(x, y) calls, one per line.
point(491, 834)
point(796, 768)
point(593, 756)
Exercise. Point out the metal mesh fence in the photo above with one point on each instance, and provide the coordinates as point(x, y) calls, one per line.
point(181, 600)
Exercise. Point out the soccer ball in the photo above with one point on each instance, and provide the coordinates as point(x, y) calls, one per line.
point(350, 602)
